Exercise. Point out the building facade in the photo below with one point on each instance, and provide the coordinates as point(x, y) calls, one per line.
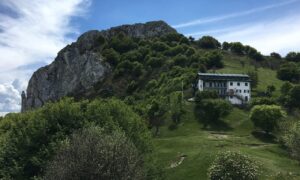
point(233, 87)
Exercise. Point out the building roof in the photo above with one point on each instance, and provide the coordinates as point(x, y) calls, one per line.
point(224, 77)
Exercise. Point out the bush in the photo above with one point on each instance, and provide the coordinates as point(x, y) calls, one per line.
point(201, 95)
point(266, 117)
point(92, 154)
point(263, 101)
point(291, 139)
point(233, 165)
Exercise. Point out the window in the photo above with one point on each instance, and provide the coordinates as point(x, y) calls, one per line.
point(230, 97)
point(248, 91)
point(210, 84)
point(245, 91)
point(231, 83)
point(246, 98)
point(224, 84)
point(240, 91)
point(246, 84)
point(238, 84)
point(237, 90)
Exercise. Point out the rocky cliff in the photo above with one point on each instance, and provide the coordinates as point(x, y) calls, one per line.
point(76, 69)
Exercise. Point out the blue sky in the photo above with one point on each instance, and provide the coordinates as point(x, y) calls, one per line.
point(33, 31)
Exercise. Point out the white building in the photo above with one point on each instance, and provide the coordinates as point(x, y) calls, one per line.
point(233, 87)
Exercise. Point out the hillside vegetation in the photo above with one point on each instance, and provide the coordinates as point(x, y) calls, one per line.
point(144, 101)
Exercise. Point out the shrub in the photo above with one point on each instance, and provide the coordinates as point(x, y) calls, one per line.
point(92, 154)
point(233, 165)
point(291, 139)
point(266, 117)
point(263, 101)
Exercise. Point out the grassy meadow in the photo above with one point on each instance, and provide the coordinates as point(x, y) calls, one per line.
point(199, 146)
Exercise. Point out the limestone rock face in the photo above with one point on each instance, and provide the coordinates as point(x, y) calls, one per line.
point(70, 73)
point(77, 68)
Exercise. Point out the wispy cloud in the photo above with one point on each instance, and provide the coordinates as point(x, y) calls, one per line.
point(32, 32)
point(281, 35)
point(233, 15)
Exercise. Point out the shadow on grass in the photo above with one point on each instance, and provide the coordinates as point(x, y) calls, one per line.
point(217, 126)
point(264, 137)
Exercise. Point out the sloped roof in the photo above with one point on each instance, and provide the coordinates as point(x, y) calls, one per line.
point(224, 77)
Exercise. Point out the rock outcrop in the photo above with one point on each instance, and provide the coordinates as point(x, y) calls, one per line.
point(76, 69)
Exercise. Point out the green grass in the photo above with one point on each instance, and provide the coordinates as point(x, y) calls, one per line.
point(201, 146)
point(266, 76)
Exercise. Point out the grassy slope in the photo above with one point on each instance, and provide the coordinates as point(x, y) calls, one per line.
point(201, 146)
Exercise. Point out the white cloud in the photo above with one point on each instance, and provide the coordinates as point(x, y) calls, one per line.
point(32, 32)
point(9, 98)
point(233, 15)
point(281, 35)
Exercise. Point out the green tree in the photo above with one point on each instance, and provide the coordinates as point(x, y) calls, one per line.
point(30, 139)
point(234, 166)
point(180, 60)
point(208, 42)
point(254, 79)
point(92, 154)
point(289, 71)
point(286, 87)
point(213, 59)
point(111, 56)
point(210, 111)
point(176, 107)
point(270, 90)
point(156, 111)
point(237, 48)
point(291, 139)
point(293, 56)
point(122, 43)
point(159, 46)
point(225, 46)
point(294, 97)
point(275, 55)
point(266, 117)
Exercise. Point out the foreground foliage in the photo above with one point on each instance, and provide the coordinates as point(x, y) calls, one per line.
point(29, 140)
point(91, 154)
